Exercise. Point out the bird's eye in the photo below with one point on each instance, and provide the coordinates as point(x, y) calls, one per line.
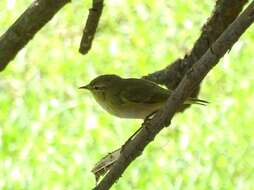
point(96, 88)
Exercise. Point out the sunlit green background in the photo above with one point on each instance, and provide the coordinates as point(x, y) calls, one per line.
point(52, 133)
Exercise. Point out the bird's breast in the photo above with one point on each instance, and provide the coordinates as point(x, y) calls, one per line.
point(129, 110)
point(132, 110)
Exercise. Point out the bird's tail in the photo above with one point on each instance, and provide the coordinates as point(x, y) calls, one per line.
point(196, 101)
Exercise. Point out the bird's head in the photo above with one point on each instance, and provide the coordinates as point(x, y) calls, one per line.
point(102, 84)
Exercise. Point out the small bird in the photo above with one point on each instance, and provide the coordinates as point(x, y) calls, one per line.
point(130, 98)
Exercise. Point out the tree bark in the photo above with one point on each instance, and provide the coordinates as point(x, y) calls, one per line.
point(26, 26)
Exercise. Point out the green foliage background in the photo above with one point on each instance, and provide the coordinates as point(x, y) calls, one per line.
point(52, 133)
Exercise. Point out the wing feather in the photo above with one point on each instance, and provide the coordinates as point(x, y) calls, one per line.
point(143, 91)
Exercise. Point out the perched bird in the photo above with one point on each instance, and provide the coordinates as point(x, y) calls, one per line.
point(130, 98)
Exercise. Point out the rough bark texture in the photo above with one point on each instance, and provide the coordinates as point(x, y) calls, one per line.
point(224, 13)
point(27, 25)
point(191, 80)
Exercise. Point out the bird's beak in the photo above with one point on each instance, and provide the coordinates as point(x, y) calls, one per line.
point(88, 87)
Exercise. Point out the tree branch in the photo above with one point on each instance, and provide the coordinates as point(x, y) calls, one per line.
point(91, 26)
point(26, 26)
point(224, 13)
point(190, 81)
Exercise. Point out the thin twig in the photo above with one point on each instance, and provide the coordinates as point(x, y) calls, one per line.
point(91, 26)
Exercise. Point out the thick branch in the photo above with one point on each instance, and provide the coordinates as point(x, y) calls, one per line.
point(191, 80)
point(27, 25)
point(224, 13)
point(91, 26)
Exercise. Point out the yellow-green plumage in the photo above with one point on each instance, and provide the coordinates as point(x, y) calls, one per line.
point(130, 98)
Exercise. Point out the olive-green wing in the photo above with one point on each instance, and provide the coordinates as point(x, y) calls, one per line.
point(143, 91)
